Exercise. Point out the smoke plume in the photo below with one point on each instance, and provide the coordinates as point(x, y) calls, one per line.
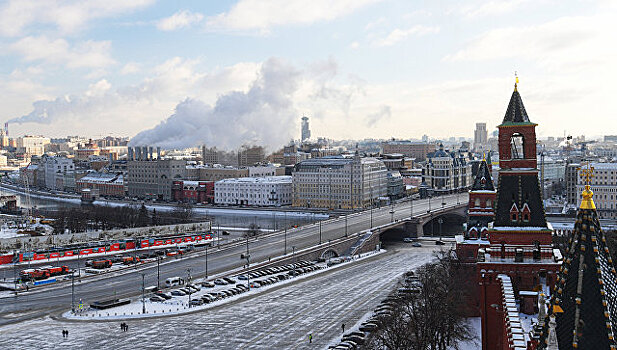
point(263, 115)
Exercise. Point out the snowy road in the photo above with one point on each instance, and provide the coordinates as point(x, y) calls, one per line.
point(279, 319)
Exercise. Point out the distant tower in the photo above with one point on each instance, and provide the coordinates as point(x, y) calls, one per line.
point(480, 137)
point(306, 132)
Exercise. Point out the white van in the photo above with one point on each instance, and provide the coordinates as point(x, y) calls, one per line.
point(173, 281)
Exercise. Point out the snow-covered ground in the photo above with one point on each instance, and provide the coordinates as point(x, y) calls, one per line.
point(281, 318)
point(476, 328)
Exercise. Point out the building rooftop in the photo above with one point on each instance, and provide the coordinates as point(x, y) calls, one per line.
point(256, 180)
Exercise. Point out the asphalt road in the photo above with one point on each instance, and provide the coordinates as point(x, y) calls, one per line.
point(280, 318)
point(227, 258)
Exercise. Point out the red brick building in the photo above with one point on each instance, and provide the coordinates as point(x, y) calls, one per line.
point(193, 191)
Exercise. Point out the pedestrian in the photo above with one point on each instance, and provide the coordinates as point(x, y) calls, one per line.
point(310, 338)
point(122, 326)
point(63, 333)
point(126, 327)
point(343, 326)
point(67, 333)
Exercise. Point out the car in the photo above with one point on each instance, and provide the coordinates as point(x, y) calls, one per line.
point(225, 233)
point(177, 293)
point(241, 286)
point(408, 240)
point(157, 299)
point(194, 286)
point(206, 299)
point(440, 242)
point(163, 295)
point(196, 302)
point(214, 295)
point(228, 280)
point(255, 284)
point(368, 327)
point(207, 284)
point(186, 290)
point(417, 244)
point(242, 277)
point(220, 282)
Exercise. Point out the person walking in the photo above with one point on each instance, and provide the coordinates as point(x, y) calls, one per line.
point(343, 327)
point(63, 334)
point(67, 333)
point(310, 338)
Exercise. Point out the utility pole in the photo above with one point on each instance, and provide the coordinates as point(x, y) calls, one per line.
point(207, 260)
point(285, 251)
point(411, 207)
point(143, 293)
point(320, 232)
point(345, 225)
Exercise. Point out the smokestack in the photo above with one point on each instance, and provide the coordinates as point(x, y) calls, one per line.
point(130, 149)
point(158, 153)
point(150, 150)
point(144, 152)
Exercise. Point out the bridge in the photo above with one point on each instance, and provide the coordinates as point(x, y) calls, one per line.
point(446, 220)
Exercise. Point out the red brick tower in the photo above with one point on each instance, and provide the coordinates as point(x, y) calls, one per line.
point(519, 259)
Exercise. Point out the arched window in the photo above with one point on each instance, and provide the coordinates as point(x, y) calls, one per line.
point(517, 142)
point(477, 203)
point(489, 203)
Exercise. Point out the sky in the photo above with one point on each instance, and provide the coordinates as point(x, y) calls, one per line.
point(225, 73)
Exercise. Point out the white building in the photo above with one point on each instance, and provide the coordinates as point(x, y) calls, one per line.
point(258, 191)
point(56, 171)
point(604, 187)
point(341, 183)
point(32, 145)
point(447, 172)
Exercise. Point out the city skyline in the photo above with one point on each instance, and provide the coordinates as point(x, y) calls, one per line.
point(385, 67)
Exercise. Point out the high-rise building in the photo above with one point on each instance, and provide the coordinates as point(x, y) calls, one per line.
point(151, 177)
point(259, 191)
point(337, 182)
point(604, 186)
point(210, 155)
point(250, 155)
point(32, 145)
point(306, 132)
point(480, 137)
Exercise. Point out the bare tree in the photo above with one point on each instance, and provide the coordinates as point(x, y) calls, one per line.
point(429, 312)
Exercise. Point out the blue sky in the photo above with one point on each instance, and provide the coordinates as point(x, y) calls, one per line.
point(359, 69)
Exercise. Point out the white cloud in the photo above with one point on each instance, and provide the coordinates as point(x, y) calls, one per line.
point(86, 54)
point(178, 20)
point(262, 15)
point(354, 45)
point(492, 8)
point(130, 68)
point(16, 16)
point(562, 42)
point(398, 35)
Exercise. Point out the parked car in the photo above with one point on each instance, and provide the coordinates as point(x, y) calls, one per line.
point(163, 295)
point(408, 240)
point(440, 242)
point(242, 277)
point(157, 299)
point(417, 244)
point(196, 302)
point(220, 282)
point(228, 280)
point(177, 293)
point(207, 284)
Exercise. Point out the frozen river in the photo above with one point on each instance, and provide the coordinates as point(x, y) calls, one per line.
point(278, 319)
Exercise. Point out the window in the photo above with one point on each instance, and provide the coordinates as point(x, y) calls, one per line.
point(516, 146)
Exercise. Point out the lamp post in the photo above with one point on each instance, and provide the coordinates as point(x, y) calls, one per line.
point(143, 293)
point(440, 221)
point(293, 249)
point(188, 281)
point(248, 261)
point(345, 225)
point(319, 232)
point(207, 260)
point(72, 292)
point(158, 272)
point(410, 208)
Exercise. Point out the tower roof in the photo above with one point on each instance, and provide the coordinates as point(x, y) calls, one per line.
point(483, 180)
point(585, 298)
point(516, 112)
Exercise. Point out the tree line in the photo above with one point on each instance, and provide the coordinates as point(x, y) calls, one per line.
point(81, 219)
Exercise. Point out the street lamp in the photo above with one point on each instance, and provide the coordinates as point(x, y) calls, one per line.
point(143, 293)
point(345, 225)
point(293, 249)
point(188, 281)
point(440, 221)
point(319, 232)
point(158, 272)
point(248, 278)
point(72, 292)
point(207, 260)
